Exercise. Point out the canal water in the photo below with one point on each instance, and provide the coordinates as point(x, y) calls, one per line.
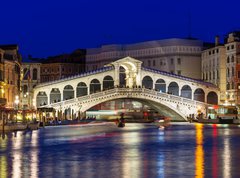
point(136, 151)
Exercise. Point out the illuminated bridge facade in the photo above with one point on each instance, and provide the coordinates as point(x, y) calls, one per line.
point(171, 95)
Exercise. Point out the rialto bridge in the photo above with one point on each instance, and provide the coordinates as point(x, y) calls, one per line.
point(169, 94)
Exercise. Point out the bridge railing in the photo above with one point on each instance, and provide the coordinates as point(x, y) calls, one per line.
point(130, 91)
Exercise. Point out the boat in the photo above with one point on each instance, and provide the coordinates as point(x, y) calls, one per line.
point(162, 122)
point(220, 114)
point(121, 124)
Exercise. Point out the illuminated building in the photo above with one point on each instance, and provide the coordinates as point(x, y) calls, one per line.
point(9, 74)
point(170, 55)
point(221, 66)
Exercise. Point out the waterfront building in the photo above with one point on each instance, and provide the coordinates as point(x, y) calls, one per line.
point(221, 66)
point(214, 66)
point(177, 56)
point(10, 64)
point(30, 78)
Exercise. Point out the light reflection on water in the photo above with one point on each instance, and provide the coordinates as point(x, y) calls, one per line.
point(134, 151)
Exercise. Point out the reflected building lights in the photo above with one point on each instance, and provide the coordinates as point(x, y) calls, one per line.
point(131, 156)
point(3, 159)
point(199, 154)
point(34, 155)
point(214, 152)
point(226, 155)
point(17, 156)
point(161, 157)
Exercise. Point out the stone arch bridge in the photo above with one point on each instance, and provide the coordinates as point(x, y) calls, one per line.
point(171, 95)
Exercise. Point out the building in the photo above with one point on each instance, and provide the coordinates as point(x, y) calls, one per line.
point(221, 66)
point(232, 46)
point(62, 66)
point(214, 67)
point(10, 64)
point(30, 78)
point(170, 55)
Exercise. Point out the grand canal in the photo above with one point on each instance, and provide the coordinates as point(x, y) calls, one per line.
point(138, 150)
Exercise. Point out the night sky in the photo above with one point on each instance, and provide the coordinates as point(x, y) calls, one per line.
point(50, 27)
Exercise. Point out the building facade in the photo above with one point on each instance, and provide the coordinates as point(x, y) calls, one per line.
point(221, 66)
point(30, 78)
point(170, 55)
point(62, 66)
point(9, 75)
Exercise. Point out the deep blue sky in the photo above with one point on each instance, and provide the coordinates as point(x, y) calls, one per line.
point(49, 27)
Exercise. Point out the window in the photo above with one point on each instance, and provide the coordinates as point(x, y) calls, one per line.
point(233, 85)
point(217, 74)
point(228, 86)
point(239, 74)
point(179, 72)
point(232, 58)
point(34, 74)
point(228, 60)
point(228, 73)
point(217, 50)
point(232, 46)
point(227, 47)
point(154, 62)
point(179, 61)
point(233, 72)
point(171, 60)
point(149, 63)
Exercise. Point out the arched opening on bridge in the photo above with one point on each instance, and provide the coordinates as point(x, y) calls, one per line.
point(95, 86)
point(82, 89)
point(108, 82)
point(122, 76)
point(42, 99)
point(55, 95)
point(212, 98)
point(173, 88)
point(147, 82)
point(199, 95)
point(160, 86)
point(186, 92)
point(68, 92)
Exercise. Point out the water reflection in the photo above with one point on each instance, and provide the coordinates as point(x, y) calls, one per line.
point(214, 152)
point(134, 151)
point(226, 155)
point(3, 158)
point(131, 155)
point(199, 153)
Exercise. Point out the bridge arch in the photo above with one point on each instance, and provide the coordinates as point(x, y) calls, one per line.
point(95, 86)
point(165, 106)
point(212, 98)
point(160, 85)
point(82, 89)
point(173, 88)
point(147, 82)
point(186, 92)
point(42, 99)
point(199, 95)
point(68, 92)
point(55, 95)
point(108, 82)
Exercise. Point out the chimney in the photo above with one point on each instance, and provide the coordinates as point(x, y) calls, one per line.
point(217, 40)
